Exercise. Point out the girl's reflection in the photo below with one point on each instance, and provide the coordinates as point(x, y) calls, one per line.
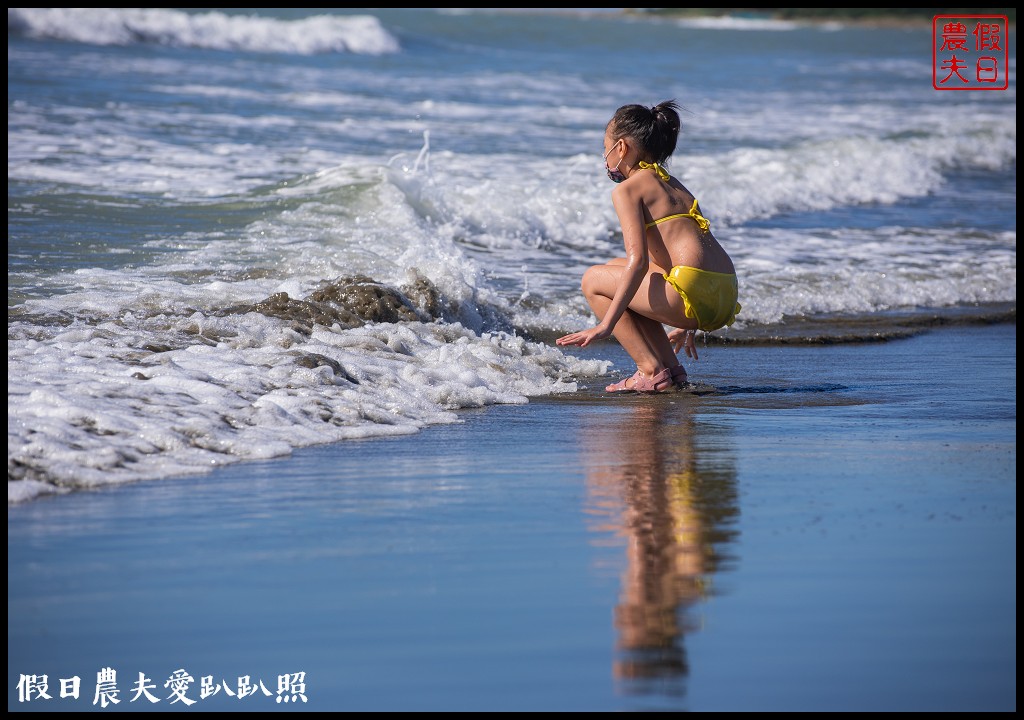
point(667, 484)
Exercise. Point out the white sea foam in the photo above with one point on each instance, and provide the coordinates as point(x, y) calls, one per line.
point(753, 183)
point(213, 30)
point(786, 273)
point(89, 405)
point(736, 22)
point(843, 158)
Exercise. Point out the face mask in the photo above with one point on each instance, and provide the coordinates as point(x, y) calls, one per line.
point(614, 174)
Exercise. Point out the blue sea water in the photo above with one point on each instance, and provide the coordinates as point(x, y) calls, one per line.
point(232, 234)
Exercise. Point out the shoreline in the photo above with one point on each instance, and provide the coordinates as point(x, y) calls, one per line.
point(816, 333)
point(851, 329)
point(812, 334)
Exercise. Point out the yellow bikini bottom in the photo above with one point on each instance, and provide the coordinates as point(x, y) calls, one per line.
point(708, 297)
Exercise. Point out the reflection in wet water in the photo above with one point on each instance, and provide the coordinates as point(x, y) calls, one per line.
point(666, 484)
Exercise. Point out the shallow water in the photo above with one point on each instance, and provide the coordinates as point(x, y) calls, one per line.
point(838, 534)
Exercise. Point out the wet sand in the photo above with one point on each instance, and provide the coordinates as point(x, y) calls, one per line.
point(809, 528)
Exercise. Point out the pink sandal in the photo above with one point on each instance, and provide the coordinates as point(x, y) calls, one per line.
point(679, 376)
point(660, 382)
point(621, 385)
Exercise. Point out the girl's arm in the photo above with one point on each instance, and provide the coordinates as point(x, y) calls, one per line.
point(628, 206)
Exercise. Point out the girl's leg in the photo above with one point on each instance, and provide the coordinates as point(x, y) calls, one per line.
point(657, 340)
point(629, 334)
point(639, 330)
point(654, 331)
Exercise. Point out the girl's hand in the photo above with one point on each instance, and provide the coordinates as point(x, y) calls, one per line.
point(684, 340)
point(584, 337)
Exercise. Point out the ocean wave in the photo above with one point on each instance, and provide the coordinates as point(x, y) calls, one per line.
point(127, 396)
point(870, 273)
point(817, 175)
point(508, 250)
point(361, 34)
point(736, 22)
point(864, 164)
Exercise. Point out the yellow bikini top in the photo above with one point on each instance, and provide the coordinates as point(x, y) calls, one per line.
point(702, 222)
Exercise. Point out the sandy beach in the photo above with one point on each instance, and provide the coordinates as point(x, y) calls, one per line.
point(811, 528)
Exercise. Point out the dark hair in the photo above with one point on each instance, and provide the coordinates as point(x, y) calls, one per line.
point(654, 129)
